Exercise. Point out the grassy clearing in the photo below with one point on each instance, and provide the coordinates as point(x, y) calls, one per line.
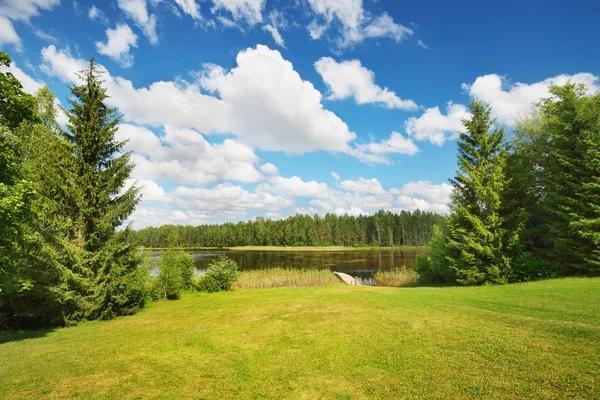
point(285, 277)
point(397, 277)
point(304, 248)
point(536, 340)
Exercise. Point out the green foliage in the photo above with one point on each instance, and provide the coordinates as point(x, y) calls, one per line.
point(571, 178)
point(175, 273)
point(433, 266)
point(382, 229)
point(475, 245)
point(221, 275)
point(527, 267)
point(17, 106)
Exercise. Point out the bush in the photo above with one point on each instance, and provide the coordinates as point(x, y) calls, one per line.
point(176, 272)
point(527, 267)
point(220, 276)
point(433, 267)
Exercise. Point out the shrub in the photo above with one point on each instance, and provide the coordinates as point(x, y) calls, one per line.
point(527, 267)
point(176, 270)
point(220, 276)
point(433, 267)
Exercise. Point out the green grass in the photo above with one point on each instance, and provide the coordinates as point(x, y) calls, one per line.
point(397, 277)
point(285, 277)
point(302, 248)
point(536, 340)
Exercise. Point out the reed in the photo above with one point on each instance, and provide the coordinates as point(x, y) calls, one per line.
point(397, 277)
point(285, 277)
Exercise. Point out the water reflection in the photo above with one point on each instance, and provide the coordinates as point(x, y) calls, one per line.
point(360, 264)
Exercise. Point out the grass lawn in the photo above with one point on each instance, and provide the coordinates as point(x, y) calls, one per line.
point(537, 340)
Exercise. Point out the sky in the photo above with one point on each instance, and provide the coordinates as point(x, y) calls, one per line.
point(234, 109)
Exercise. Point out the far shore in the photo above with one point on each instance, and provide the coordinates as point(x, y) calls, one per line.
point(301, 248)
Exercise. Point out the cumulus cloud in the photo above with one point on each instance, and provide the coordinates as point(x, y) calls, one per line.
point(269, 169)
point(263, 101)
point(362, 185)
point(249, 11)
point(335, 175)
point(376, 152)
point(512, 101)
point(295, 186)
point(137, 10)
point(356, 24)
point(350, 79)
point(185, 157)
point(425, 196)
point(436, 127)
point(20, 10)
point(118, 45)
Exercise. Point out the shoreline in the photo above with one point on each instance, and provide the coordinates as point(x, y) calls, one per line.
point(297, 248)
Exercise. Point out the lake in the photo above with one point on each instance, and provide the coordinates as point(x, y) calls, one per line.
point(358, 263)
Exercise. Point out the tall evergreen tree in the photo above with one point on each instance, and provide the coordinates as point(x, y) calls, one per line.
point(571, 178)
point(101, 203)
point(475, 242)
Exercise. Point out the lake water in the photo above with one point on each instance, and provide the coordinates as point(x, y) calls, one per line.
point(360, 264)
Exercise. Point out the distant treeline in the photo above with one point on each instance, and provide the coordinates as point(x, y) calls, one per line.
point(381, 229)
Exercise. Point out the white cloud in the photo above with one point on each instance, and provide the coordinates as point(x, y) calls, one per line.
point(19, 10)
point(263, 101)
point(356, 24)
point(190, 7)
point(510, 102)
point(362, 185)
point(276, 23)
point(425, 196)
point(350, 79)
point(335, 175)
point(275, 33)
point(138, 12)
point(241, 10)
point(8, 34)
point(96, 14)
point(436, 127)
point(185, 157)
point(269, 169)
point(272, 108)
point(375, 152)
point(118, 45)
point(384, 26)
point(295, 186)
point(352, 211)
point(422, 44)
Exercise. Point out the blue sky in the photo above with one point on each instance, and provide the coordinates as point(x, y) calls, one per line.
point(240, 108)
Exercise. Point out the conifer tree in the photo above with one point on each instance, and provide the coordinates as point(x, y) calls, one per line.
point(475, 242)
point(100, 201)
point(571, 178)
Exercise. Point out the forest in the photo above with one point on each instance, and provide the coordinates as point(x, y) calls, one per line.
point(381, 229)
point(523, 207)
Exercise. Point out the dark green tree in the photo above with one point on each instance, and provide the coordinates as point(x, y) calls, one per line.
point(571, 177)
point(16, 105)
point(100, 202)
point(475, 247)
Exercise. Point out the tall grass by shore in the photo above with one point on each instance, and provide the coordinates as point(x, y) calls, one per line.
point(397, 277)
point(285, 277)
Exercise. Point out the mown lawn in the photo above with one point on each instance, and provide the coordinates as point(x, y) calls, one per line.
point(537, 340)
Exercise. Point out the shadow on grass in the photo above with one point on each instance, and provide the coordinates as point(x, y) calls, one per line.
point(17, 336)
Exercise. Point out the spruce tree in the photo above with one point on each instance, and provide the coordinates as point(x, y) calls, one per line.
point(100, 202)
point(571, 177)
point(475, 242)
